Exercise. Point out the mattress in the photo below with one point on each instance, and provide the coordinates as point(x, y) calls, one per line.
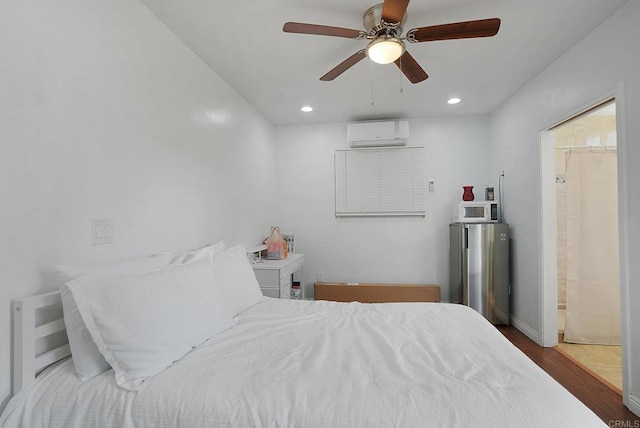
point(290, 363)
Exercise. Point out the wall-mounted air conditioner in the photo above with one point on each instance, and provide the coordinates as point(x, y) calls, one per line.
point(378, 134)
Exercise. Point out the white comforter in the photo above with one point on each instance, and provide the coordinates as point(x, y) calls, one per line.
point(322, 364)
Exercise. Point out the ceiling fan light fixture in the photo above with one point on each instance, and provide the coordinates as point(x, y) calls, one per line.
point(385, 50)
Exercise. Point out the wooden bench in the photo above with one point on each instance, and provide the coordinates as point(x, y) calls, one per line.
point(376, 293)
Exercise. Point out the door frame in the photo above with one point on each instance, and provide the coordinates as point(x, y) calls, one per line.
point(548, 299)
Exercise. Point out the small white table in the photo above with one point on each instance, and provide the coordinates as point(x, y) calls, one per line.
point(276, 276)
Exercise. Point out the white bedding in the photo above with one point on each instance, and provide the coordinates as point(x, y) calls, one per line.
point(290, 363)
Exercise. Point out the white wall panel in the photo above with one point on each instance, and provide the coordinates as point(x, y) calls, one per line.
point(106, 114)
point(380, 249)
point(588, 71)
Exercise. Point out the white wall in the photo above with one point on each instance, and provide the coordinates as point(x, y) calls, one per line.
point(587, 71)
point(411, 250)
point(106, 114)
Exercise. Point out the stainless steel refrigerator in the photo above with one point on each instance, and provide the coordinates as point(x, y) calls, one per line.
point(479, 268)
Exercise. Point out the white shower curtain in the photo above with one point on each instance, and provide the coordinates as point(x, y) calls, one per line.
point(593, 297)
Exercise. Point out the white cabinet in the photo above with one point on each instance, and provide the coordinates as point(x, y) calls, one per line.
point(276, 276)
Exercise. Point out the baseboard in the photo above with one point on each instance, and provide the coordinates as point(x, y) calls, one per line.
point(633, 404)
point(526, 330)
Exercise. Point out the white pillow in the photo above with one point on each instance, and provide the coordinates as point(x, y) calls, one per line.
point(183, 258)
point(86, 358)
point(237, 279)
point(143, 323)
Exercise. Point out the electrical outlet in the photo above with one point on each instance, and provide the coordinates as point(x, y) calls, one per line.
point(101, 231)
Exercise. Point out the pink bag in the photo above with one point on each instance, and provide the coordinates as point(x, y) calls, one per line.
point(276, 245)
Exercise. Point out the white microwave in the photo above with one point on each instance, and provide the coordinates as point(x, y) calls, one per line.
point(475, 212)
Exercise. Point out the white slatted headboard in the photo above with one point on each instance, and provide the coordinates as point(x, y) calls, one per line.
point(29, 359)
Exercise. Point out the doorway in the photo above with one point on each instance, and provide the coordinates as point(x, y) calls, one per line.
point(548, 297)
point(588, 286)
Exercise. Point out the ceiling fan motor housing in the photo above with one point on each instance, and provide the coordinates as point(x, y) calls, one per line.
point(373, 23)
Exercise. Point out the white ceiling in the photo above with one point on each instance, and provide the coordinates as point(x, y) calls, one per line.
point(279, 72)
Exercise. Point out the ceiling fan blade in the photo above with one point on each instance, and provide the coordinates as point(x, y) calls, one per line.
point(410, 67)
point(393, 10)
point(322, 30)
point(456, 30)
point(344, 66)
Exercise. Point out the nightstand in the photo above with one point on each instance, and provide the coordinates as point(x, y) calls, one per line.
point(276, 276)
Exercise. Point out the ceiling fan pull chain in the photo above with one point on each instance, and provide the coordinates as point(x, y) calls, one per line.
point(401, 87)
point(372, 98)
point(371, 80)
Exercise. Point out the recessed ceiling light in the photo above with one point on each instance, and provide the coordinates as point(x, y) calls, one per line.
point(307, 109)
point(454, 100)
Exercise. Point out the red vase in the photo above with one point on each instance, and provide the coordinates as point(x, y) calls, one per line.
point(468, 193)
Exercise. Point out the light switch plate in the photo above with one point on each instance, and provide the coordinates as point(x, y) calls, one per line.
point(101, 231)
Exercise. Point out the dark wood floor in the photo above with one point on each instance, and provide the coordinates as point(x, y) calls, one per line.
point(604, 402)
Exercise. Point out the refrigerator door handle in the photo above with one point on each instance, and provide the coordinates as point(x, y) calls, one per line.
point(465, 265)
point(465, 244)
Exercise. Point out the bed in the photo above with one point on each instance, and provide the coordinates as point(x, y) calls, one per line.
point(291, 363)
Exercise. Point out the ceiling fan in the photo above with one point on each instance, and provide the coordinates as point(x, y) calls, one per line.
point(383, 23)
